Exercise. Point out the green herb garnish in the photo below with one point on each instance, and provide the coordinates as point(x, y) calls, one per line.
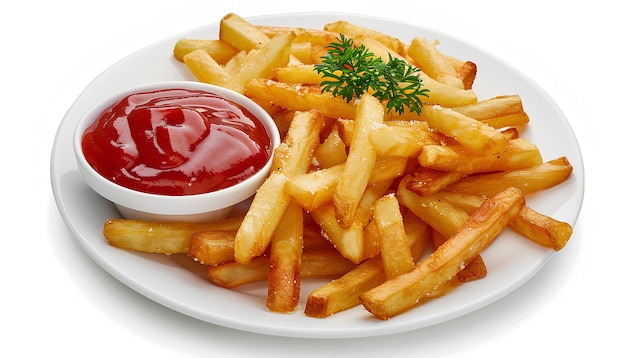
point(350, 71)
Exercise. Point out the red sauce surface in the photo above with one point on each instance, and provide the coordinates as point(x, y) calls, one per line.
point(176, 142)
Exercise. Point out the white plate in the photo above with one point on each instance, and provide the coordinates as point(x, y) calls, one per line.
point(511, 259)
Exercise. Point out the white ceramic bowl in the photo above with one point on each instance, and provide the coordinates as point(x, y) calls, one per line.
point(205, 207)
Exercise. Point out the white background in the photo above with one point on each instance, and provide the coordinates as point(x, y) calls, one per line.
point(56, 300)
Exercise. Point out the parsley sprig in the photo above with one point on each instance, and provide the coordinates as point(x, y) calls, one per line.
point(349, 71)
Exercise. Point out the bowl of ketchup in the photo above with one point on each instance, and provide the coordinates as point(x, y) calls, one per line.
point(176, 150)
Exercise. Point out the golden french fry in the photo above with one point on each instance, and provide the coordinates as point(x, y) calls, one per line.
point(395, 250)
point(497, 112)
point(519, 153)
point(439, 213)
point(427, 181)
point(240, 34)
point(360, 161)
point(233, 274)
point(261, 62)
point(376, 47)
point(465, 202)
point(298, 97)
point(315, 264)
point(206, 69)
point(446, 95)
point(315, 188)
point(343, 293)
point(473, 135)
point(157, 237)
point(473, 270)
point(259, 223)
point(295, 153)
point(217, 49)
point(387, 168)
point(301, 74)
point(212, 247)
point(352, 30)
point(348, 241)
point(401, 140)
point(528, 180)
point(542, 229)
point(433, 62)
point(313, 36)
point(406, 291)
point(283, 287)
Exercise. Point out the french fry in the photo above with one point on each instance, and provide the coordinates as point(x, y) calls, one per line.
point(408, 290)
point(315, 264)
point(378, 48)
point(212, 247)
point(427, 181)
point(360, 161)
point(439, 94)
point(157, 237)
point(395, 250)
point(401, 140)
point(439, 213)
point(206, 69)
point(298, 97)
point(283, 287)
point(433, 62)
point(301, 74)
point(528, 180)
point(347, 28)
point(294, 154)
point(473, 135)
point(313, 36)
point(315, 188)
point(348, 241)
point(387, 168)
point(238, 33)
point(446, 95)
point(266, 209)
point(497, 112)
point(465, 202)
point(261, 62)
point(217, 49)
point(473, 270)
point(542, 229)
point(292, 157)
point(519, 153)
point(233, 274)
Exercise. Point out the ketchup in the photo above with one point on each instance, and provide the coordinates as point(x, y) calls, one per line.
point(176, 142)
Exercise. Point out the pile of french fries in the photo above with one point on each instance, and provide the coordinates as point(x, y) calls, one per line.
point(394, 209)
